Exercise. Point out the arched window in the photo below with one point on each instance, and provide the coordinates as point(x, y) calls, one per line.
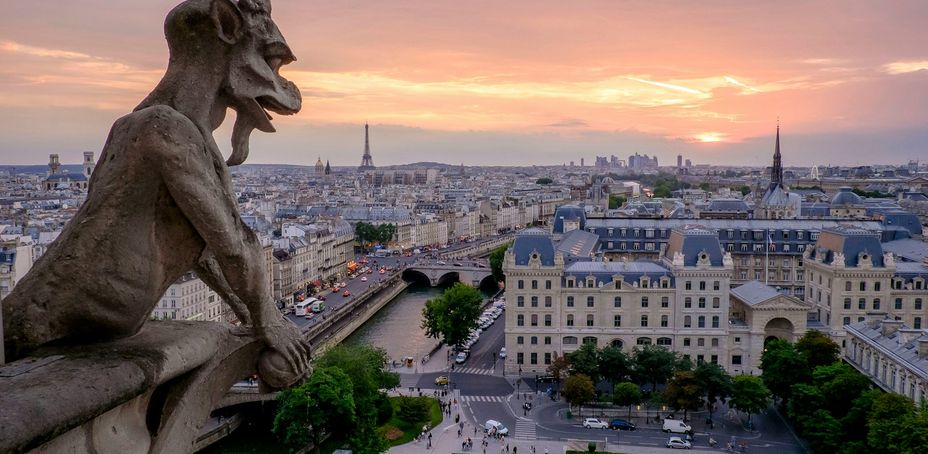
point(665, 341)
point(617, 343)
point(589, 320)
point(644, 341)
point(590, 340)
point(570, 340)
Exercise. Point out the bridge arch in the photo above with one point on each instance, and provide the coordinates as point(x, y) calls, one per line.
point(448, 278)
point(416, 276)
point(489, 283)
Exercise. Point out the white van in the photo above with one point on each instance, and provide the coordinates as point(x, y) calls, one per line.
point(676, 426)
point(318, 306)
point(300, 308)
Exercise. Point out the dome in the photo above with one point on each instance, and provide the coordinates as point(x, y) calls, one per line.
point(846, 197)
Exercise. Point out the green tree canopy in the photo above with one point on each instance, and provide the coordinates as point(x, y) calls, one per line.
point(558, 367)
point(578, 389)
point(614, 364)
point(616, 201)
point(626, 393)
point(817, 349)
point(891, 423)
point(496, 262)
point(323, 404)
point(839, 384)
point(585, 361)
point(683, 392)
point(714, 382)
point(544, 180)
point(783, 366)
point(744, 190)
point(749, 394)
point(453, 314)
point(653, 365)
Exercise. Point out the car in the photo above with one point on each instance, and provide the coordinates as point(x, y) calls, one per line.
point(460, 358)
point(502, 352)
point(363, 278)
point(370, 271)
point(495, 427)
point(441, 263)
point(594, 423)
point(678, 443)
point(676, 426)
point(457, 264)
point(346, 293)
point(621, 424)
point(441, 380)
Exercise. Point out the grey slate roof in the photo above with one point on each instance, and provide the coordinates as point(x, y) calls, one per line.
point(578, 243)
point(570, 213)
point(604, 272)
point(532, 241)
point(691, 240)
point(754, 292)
point(846, 197)
point(907, 249)
point(728, 205)
point(850, 241)
point(903, 347)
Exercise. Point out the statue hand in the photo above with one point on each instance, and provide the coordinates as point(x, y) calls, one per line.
point(286, 339)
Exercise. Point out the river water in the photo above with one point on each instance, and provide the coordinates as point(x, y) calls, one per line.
point(397, 328)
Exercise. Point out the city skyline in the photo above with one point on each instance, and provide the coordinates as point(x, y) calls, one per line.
point(488, 84)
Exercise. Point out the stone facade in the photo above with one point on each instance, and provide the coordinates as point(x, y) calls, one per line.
point(189, 298)
point(893, 356)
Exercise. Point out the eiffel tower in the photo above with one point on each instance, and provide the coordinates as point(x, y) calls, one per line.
point(367, 163)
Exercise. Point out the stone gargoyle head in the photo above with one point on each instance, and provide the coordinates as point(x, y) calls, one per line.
point(237, 40)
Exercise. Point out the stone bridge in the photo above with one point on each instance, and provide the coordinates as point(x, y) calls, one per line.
point(473, 272)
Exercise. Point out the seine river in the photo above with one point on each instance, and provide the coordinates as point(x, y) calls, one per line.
point(397, 327)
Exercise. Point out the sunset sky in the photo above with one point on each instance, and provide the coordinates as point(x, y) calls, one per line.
point(508, 82)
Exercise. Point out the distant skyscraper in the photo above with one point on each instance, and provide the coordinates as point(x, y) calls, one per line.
point(367, 163)
point(679, 161)
point(689, 163)
point(581, 162)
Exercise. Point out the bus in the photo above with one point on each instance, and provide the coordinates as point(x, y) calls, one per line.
point(300, 308)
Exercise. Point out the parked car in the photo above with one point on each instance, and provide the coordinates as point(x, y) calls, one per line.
point(363, 278)
point(346, 293)
point(676, 426)
point(678, 443)
point(495, 426)
point(460, 358)
point(621, 424)
point(593, 423)
point(441, 263)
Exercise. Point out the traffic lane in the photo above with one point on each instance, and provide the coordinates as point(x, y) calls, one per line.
point(498, 411)
point(469, 384)
point(484, 352)
point(335, 300)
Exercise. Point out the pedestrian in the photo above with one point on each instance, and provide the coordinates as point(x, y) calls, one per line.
point(507, 448)
point(475, 431)
point(430, 436)
point(514, 448)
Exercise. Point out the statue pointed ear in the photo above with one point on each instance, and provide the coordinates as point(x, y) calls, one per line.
point(230, 24)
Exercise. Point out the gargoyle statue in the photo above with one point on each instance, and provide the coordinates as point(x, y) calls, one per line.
point(160, 201)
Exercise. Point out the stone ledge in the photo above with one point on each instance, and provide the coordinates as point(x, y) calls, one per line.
point(168, 364)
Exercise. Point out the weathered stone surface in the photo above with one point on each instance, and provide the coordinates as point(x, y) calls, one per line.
point(160, 201)
point(147, 393)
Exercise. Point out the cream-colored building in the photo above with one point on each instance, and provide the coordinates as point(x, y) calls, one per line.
point(683, 302)
point(891, 355)
point(189, 298)
point(16, 259)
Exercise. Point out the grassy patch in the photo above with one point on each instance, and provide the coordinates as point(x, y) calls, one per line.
point(398, 431)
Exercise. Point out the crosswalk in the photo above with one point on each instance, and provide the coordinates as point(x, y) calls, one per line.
point(473, 370)
point(525, 430)
point(483, 398)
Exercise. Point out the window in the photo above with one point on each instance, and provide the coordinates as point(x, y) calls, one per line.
point(686, 342)
point(547, 301)
point(917, 323)
point(846, 321)
point(590, 340)
point(589, 319)
point(665, 301)
point(520, 320)
point(520, 340)
point(847, 303)
point(876, 286)
point(847, 285)
point(700, 359)
point(689, 285)
point(735, 360)
point(643, 341)
point(534, 301)
point(701, 321)
point(702, 302)
point(590, 302)
point(534, 319)
point(548, 285)
point(644, 301)
point(534, 284)
point(687, 321)
point(714, 359)
point(715, 285)
point(570, 319)
point(876, 304)
point(570, 340)
point(737, 340)
point(700, 342)
point(570, 301)
point(715, 342)
point(548, 358)
point(898, 304)
point(664, 321)
point(716, 302)
point(666, 341)
point(688, 302)
point(520, 301)
point(520, 358)
point(644, 320)
point(715, 321)
point(534, 340)
point(547, 340)
point(521, 284)
point(570, 283)
point(702, 285)
point(617, 301)
point(617, 321)
point(862, 303)
point(547, 319)
point(918, 304)
point(534, 358)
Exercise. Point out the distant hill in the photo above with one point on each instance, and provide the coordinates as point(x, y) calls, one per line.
point(423, 165)
point(41, 169)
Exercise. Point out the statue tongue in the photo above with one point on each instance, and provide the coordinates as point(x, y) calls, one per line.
point(248, 119)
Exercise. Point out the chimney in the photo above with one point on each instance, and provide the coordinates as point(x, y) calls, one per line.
point(923, 347)
point(888, 327)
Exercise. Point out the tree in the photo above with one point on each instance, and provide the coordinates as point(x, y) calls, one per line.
point(824, 432)
point(817, 349)
point(749, 394)
point(806, 399)
point(577, 390)
point(616, 201)
point(585, 361)
point(839, 384)
point(888, 424)
point(364, 234)
point(544, 180)
point(385, 232)
point(496, 262)
point(653, 364)
point(453, 314)
point(626, 393)
point(783, 367)
point(558, 367)
point(714, 382)
point(744, 190)
point(614, 364)
point(321, 405)
point(683, 392)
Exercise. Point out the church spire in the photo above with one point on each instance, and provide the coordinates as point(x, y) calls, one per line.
point(776, 172)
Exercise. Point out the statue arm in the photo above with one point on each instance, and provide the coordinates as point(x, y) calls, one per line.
point(208, 270)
